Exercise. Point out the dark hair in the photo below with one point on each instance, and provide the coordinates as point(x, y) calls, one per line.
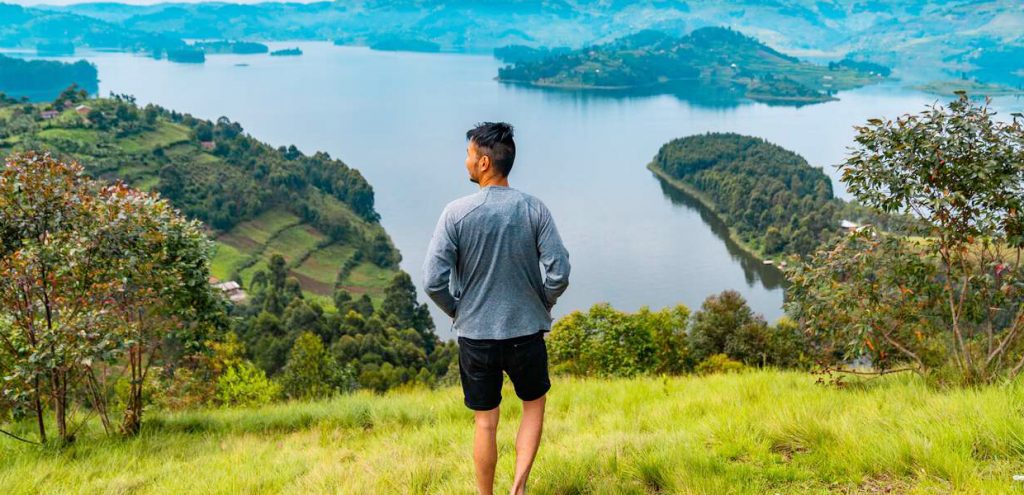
point(494, 139)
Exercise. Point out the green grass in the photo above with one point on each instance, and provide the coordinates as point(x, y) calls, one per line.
point(367, 278)
point(226, 259)
point(166, 134)
point(760, 432)
point(81, 135)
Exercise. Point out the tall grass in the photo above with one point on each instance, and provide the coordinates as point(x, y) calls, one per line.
point(759, 432)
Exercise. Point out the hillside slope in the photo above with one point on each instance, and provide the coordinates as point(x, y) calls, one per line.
point(752, 433)
point(258, 201)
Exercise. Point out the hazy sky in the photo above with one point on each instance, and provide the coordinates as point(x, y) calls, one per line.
point(137, 2)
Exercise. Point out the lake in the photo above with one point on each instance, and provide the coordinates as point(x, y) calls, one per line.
point(401, 118)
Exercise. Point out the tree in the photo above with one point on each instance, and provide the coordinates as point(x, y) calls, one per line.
point(311, 371)
point(726, 325)
point(954, 293)
point(90, 276)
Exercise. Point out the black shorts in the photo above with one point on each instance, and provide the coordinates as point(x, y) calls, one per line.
point(481, 362)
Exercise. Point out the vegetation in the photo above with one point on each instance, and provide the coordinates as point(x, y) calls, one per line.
point(187, 56)
point(774, 202)
point(948, 301)
point(107, 306)
point(607, 342)
point(742, 433)
point(715, 57)
point(513, 54)
point(95, 281)
point(235, 47)
point(43, 79)
point(258, 201)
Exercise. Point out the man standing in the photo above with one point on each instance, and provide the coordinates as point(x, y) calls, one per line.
point(483, 269)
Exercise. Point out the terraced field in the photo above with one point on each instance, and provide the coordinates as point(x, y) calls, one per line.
point(310, 256)
point(209, 181)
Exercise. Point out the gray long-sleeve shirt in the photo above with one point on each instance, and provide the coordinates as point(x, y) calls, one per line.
point(484, 264)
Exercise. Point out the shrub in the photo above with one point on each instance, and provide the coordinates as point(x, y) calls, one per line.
point(718, 363)
point(607, 342)
point(244, 384)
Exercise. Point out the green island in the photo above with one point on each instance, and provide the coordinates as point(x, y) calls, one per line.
point(44, 79)
point(257, 201)
point(773, 201)
point(712, 58)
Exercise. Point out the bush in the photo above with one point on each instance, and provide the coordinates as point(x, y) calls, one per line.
point(607, 342)
point(718, 363)
point(312, 372)
point(244, 384)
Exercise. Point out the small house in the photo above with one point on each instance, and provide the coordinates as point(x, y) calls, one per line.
point(848, 226)
point(232, 290)
point(207, 145)
point(83, 110)
point(48, 114)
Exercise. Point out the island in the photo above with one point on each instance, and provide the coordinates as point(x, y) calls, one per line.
point(710, 58)
point(187, 56)
point(231, 47)
point(40, 80)
point(774, 203)
point(286, 52)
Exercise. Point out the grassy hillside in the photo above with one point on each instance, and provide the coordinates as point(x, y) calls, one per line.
point(760, 432)
point(257, 201)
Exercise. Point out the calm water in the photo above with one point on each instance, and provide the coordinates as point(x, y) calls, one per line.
point(401, 117)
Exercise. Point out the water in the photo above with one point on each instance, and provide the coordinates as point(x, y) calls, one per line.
point(401, 119)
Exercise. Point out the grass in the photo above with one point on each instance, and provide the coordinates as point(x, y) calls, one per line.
point(759, 432)
point(166, 134)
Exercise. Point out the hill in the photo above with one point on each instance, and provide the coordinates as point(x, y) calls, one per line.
point(751, 433)
point(718, 58)
point(257, 201)
point(24, 27)
point(44, 79)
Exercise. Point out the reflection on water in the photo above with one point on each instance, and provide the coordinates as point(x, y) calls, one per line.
point(755, 271)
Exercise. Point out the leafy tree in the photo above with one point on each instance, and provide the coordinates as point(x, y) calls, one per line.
point(92, 277)
point(606, 342)
point(311, 371)
point(951, 295)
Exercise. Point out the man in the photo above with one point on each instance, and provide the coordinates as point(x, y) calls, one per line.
point(483, 269)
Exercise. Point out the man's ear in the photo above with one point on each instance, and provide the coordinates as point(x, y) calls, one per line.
point(485, 163)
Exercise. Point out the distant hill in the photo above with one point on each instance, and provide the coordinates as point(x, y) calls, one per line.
point(258, 201)
point(23, 27)
point(922, 39)
point(713, 57)
point(44, 79)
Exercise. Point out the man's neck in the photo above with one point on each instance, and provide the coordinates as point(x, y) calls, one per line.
point(494, 181)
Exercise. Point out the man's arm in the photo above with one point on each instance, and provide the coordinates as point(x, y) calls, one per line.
point(437, 268)
point(553, 257)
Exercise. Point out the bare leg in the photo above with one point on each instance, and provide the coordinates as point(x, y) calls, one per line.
point(527, 442)
point(485, 449)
